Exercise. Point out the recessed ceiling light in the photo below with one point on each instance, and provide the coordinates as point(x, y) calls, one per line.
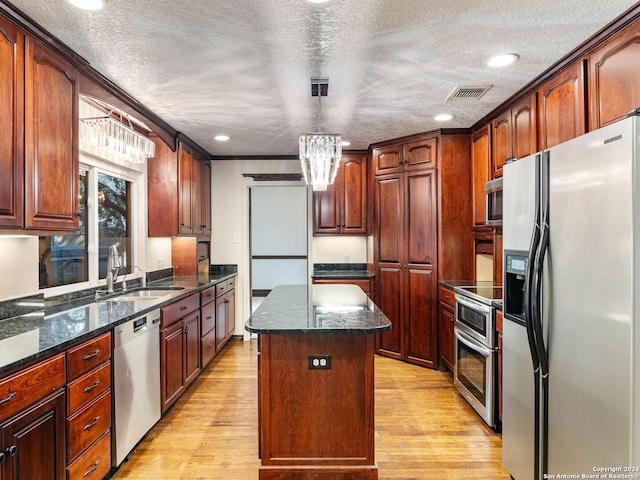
point(87, 4)
point(503, 60)
point(317, 1)
point(222, 138)
point(346, 143)
point(443, 117)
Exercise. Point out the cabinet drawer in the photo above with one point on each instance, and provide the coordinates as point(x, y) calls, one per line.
point(178, 310)
point(231, 283)
point(208, 318)
point(30, 385)
point(221, 288)
point(446, 296)
point(88, 424)
point(208, 347)
point(95, 463)
point(207, 295)
point(88, 387)
point(88, 355)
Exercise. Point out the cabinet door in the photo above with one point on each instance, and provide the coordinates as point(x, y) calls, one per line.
point(446, 336)
point(524, 129)
point(51, 140)
point(327, 207)
point(614, 89)
point(389, 280)
point(390, 220)
point(196, 194)
point(162, 196)
point(231, 313)
point(221, 321)
point(172, 364)
point(561, 108)
point(420, 154)
point(354, 188)
point(421, 317)
point(421, 219)
point(387, 159)
point(480, 167)
point(191, 331)
point(185, 191)
point(34, 441)
point(11, 113)
point(500, 142)
point(205, 172)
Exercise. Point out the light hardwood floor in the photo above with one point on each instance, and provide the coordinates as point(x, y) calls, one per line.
point(424, 429)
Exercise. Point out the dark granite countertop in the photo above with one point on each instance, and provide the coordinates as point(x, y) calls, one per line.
point(44, 327)
point(317, 309)
point(452, 284)
point(341, 270)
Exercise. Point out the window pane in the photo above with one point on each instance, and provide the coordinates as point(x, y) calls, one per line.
point(114, 221)
point(64, 259)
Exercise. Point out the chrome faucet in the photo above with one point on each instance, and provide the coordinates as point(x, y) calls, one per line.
point(114, 263)
point(133, 270)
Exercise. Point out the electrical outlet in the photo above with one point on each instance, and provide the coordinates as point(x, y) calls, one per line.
point(319, 362)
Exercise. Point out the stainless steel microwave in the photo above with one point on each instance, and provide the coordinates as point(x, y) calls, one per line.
point(493, 202)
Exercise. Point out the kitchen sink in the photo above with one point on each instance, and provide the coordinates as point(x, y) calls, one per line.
point(147, 293)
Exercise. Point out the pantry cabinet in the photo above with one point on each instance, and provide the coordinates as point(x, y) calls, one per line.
point(409, 156)
point(39, 95)
point(342, 208)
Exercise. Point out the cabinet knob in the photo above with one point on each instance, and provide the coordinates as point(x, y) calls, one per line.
point(11, 451)
point(78, 214)
point(1, 457)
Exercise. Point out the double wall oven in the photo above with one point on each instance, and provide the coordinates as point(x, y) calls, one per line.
point(475, 353)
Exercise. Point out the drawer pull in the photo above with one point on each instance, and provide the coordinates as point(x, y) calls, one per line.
point(91, 387)
point(92, 424)
point(91, 355)
point(209, 317)
point(9, 397)
point(183, 308)
point(92, 469)
point(11, 451)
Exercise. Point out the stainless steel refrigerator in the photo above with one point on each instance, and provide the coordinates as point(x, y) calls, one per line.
point(571, 344)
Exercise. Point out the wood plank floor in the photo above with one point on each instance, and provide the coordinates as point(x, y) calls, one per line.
point(424, 429)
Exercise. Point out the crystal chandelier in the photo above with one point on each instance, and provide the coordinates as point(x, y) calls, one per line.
point(107, 137)
point(320, 153)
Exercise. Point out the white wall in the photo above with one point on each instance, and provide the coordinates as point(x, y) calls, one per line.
point(230, 219)
point(158, 253)
point(18, 267)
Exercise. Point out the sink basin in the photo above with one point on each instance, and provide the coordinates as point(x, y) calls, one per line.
point(145, 294)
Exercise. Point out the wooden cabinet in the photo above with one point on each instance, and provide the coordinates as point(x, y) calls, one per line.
point(562, 106)
point(208, 325)
point(614, 70)
point(446, 300)
point(364, 284)
point(39, 101)
point(342, 208)
point(179, 348)
point(89, 403)
point(414, 155)
point(32, 422)
point(225, 312)
point(480, 155)
point(514, 134)
point(179, 192)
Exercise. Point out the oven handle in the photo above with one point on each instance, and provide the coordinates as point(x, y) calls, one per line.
point(486, 352)
point(467, 302)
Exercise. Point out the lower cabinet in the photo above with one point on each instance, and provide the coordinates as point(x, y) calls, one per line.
point(225, 313)
point(446, 316)
point(208, 326)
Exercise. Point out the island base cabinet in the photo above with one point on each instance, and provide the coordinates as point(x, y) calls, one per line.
point(317, 423)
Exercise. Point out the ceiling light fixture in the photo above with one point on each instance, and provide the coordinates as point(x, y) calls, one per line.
point(346, 143)
point(107, 137)
point(317, 1)
point(320, 153)
point(502, 60)
point(87, 4)
point(222, 138)
point(443, 117)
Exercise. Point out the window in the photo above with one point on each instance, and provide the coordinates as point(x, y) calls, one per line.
point(75, 259)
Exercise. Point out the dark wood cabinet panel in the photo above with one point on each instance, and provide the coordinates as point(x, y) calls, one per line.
point(421, 218)
point(341, 209)
point(231, 313)
point(420, 154)
point(12, 114)
point(445, 328)
point(34, 441)
point(480, 155)
point(614, 70)
point(191, 331)
point(221, 321)
point(389, 299)
point(421, 333)
point(562, 107)
point(51, 140)
point(185, 191)
point(500, 142)
point(205, 198)
point(162, 191)
point(390, 218)
point(172, 364)
point(387, 159)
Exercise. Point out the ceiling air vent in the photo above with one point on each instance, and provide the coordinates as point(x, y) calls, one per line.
point(474, 92)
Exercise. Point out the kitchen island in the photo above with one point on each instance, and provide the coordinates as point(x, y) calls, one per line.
point(316, 382)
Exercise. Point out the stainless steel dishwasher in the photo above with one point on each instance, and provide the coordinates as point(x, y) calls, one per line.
point(136, 373)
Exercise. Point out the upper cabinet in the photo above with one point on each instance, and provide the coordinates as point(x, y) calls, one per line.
point(562, 106)
point(409, 156)
point(179, 186)
point(614, 70)
point(514, 134)
point(342, 208)
point(39, 95)
point(480, 153)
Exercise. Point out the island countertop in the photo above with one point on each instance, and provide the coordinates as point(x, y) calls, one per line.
point(317, 309)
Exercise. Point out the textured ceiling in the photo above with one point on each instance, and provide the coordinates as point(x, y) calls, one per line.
point(243, 67)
